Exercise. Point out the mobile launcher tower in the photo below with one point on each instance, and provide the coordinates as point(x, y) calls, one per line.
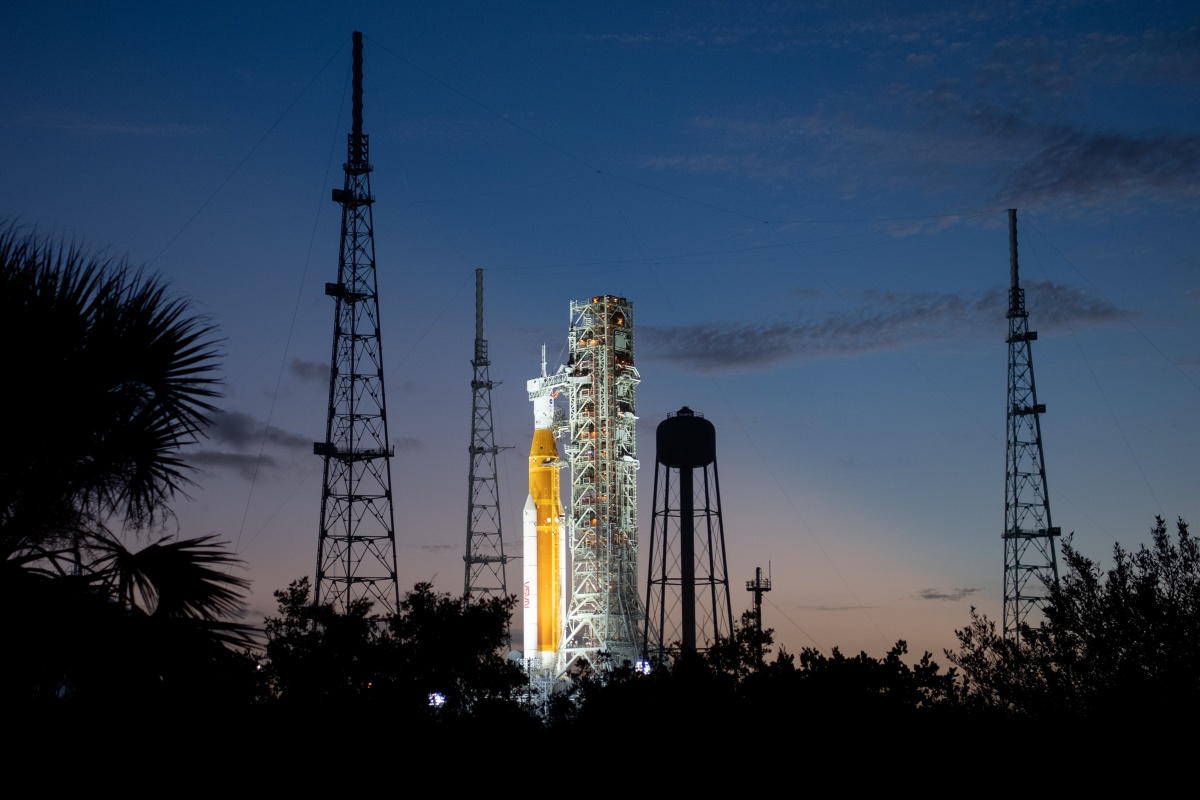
point(580, 595)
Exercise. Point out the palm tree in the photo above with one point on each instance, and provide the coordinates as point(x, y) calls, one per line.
point(108, 379)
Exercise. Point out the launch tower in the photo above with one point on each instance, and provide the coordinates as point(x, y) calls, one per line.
point(356, 543)
point(1030, 566)
point(603, 609)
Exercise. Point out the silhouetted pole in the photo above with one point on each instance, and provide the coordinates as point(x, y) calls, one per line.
point(687, 562)
point(759, 586)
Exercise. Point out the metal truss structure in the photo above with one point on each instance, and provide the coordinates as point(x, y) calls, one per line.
point(759, 586)
point(356, 550)
point(687, 586)
point(484, 574)
point(603, 609)
point(1030, 564)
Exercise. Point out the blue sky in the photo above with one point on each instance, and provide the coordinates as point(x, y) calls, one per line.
point(805, 204)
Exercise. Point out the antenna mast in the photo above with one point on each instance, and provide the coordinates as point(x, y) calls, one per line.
point(759, 586)
point(356, 544)
point(1030, 565)
point(484, 572)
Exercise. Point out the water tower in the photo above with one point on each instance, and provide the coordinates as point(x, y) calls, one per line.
point(687, 589)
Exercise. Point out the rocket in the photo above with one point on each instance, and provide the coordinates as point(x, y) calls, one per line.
point(542, 541)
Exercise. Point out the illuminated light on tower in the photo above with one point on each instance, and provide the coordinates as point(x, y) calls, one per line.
point(356, 546)
point(1030, 565)
point(484, 571)
point(687, 588)
point(601, 611)
point(603, 607)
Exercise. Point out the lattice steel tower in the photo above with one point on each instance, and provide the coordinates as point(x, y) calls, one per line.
point(687, 585)
point(759, 586)
point(603, 610)
point(484, 573)
point(356, 550)
point(1030, 565)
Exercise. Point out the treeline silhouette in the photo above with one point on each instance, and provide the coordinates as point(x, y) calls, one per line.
point(113, 625)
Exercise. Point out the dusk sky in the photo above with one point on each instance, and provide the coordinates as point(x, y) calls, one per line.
point(805, 203)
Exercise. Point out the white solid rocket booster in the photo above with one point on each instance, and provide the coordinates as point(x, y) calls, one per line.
point(530, 593)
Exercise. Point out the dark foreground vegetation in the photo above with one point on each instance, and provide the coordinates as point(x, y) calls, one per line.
point(118, 636)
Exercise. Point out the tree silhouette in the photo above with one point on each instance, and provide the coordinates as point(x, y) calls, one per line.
point(112, 378)
point(437, 644)
point(1118, 643)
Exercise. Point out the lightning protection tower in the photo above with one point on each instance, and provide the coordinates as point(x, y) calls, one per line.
point(484, 573)
point(356, 550)
point(604, 609)
point(1030, 566)
point(687, 588)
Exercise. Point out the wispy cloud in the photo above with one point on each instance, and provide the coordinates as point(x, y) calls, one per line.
point(774, 27)
point(834, 608)
point(839, 150)
point(716, 347)
point(1036, 156)
point(1093, 166)
point(241, 430)
point(314, 371)
point(402, 443)
point(1006, 128)
point(1054, 306)
point(245, 465)
point(1030, 66)
point(437, 548)
point(946, 594)
point(882, 321)
point(1152, 56)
